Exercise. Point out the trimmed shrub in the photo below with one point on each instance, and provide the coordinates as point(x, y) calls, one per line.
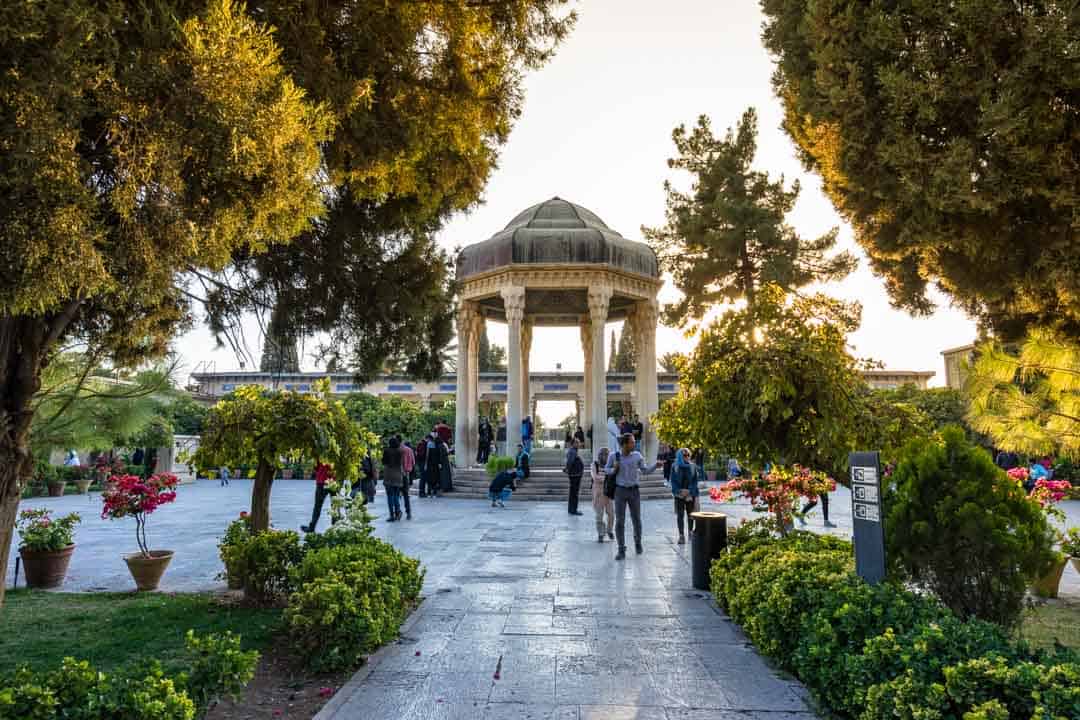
point(141, 692)
point(269, 558)
point(882, 652)
point(959, 527)
point(351, 599)
point(769, 586)
point(218, 669)
point(497, 463)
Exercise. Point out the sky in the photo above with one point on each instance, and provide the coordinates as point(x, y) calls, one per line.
point(596, 130)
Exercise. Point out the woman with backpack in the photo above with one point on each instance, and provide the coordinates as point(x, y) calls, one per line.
point(684, 488)
point(603, 506)
point(393, 478)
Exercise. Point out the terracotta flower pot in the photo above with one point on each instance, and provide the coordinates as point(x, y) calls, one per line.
point(57, 489)
point(147, 571)
point(46, 568)
point(83, 484)
point(1047, 585)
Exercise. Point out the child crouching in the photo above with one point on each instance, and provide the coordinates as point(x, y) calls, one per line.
point(502, 487)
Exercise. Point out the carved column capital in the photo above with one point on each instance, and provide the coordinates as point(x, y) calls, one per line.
point(647, 314)
point(513, 297)
point(585, 327)
point(599, 299)
point(466, 321)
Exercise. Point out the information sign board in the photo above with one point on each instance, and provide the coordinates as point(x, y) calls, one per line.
point(867, 515)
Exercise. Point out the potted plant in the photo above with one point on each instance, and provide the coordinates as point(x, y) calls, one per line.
point(45, 545)
point(55, 482)
point(1046, 493)
point(131, 496)
point(83, 478)
point(232, 549)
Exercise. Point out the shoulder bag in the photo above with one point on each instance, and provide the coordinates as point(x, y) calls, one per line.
point(609, 480)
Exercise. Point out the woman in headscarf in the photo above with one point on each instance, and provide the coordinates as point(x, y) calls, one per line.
point(684, 488)
point(613, 433)
point(602, 504)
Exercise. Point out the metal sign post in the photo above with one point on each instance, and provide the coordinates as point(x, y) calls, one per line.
point(867, 515)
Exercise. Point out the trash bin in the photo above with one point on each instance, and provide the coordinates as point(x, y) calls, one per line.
point(706, 544)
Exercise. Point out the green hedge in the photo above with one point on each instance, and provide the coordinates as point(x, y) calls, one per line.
point(347, 593)
point(351, 599)
point(497, 463)
point(877, 652)
point(218, 668)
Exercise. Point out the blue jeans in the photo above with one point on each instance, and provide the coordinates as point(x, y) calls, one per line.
point(527, 444)
point(393, 499)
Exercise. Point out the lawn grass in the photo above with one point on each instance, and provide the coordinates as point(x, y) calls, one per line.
point(39, 629)
point(1046, 624)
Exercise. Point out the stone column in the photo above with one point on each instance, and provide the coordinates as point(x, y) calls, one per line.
point(526, 348)
point(585, 327)
point(599, 299)
point(462, 440)
point(514, 301)
point(474, 385)
point(648, 394)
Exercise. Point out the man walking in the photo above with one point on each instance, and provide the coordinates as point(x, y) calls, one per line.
point(575, 468)
point(322, 474)
point(628, 466)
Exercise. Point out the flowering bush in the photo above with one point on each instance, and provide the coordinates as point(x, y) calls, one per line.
point(39, 532)
point(1019, 474)
point(777, 492)
point(1045, 492)
point(1070, 542)
point(131, 496)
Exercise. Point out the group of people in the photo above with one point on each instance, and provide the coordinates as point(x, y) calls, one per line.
point(402, 463)
point(1042, 469)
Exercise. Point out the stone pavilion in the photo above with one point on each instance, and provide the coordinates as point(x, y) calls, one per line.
point(555, 264)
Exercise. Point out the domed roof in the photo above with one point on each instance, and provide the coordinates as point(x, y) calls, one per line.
point(557, 232)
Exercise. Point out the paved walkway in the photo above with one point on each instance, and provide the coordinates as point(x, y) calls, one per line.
point(525, 616)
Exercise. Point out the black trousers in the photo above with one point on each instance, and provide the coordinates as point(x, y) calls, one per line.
point(684, 506)
point(627, 496)
point(575, 490)
point(405, 495)
point(320, 497)
point(484, 452)
point(824, 506)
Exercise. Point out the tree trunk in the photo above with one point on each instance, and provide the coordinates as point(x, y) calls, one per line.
point(260, 496)
point(746, 269)
point(23, 345)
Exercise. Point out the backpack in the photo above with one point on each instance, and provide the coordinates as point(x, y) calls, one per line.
point(609, 478)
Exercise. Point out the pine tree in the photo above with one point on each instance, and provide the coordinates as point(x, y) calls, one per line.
point(728, 237)
point(626, 358)
point(280, 354)
point(614, 356)
point(1028, 401)
point(946, 133)
point(492, 358)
